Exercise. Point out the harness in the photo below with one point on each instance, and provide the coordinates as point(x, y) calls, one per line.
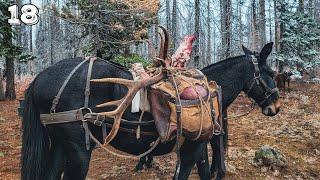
point(258, 80)
point(86, 115)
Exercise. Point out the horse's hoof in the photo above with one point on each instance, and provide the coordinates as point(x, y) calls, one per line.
point(138, 167)
point(149, 165)
point(217, 176)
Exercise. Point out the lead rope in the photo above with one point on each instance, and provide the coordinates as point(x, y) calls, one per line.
point(153, 146)
point(138, 133)
point(179, 127)
point(86, 100)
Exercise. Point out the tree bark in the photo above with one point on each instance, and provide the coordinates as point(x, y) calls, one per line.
point(301, 6)
point(197, 33)
point(226, 12)
point(262, 23)
point(239, 9)
point(174, 25)
point(10, 88)
point(255, 36)
point(2, 95)
point(209, 33)
point(168, 24)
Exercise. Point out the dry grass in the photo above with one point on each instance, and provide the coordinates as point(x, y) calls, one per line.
point(294, 131)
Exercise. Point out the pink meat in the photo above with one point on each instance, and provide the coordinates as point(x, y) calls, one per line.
point(190, 93)
point(183, 53)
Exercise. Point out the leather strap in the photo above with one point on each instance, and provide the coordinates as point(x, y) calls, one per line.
point(86, 100)
point(55, 101)
point(62, 117)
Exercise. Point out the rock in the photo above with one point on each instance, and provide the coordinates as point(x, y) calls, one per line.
point(264, 169)
point(268, 156)
point(231, 169)
point(317, 152)
point(276, 173)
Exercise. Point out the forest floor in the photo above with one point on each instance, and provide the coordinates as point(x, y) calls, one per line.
point(295, 132)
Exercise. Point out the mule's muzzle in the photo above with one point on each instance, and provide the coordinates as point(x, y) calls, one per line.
point(272, 109)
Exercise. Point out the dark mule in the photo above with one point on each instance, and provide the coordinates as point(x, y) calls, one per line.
point(52, 150)
point(282, 79)
point(235, 75)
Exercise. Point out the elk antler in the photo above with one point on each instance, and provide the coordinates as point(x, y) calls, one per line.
point(164, 43)
point(123, 103)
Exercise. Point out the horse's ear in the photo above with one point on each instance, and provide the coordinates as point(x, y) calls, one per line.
point(266, 50)
point(246, 50)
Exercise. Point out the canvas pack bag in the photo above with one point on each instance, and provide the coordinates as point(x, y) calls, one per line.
point(198, 114)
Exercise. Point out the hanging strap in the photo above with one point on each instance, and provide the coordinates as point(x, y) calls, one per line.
point(55, 101)
point(86, 101)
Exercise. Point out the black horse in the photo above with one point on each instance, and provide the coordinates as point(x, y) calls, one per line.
point(52, 150)
point(235, 75)
point(48, 152)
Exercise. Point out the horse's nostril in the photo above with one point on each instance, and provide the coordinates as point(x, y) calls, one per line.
point(277, 110)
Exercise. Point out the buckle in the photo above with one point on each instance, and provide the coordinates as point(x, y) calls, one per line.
point(254, 59)
point(97, 122)
point(178, 108)
point(256, 74)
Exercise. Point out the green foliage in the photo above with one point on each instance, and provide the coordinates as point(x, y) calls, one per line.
point(1, 154)
point(7, 35)
point(301, 37)
point(112, 25)
point(134, 58)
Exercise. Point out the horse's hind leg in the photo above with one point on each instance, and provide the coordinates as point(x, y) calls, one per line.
point(203, 164)
point(57, 161)
point(77, 161)
point(191, 152)
point(142, 161)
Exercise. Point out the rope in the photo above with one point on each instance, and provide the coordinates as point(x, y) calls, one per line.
point(243, 114)
point(155, 144)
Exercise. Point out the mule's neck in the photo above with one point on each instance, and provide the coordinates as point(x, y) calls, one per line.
point(231, 74)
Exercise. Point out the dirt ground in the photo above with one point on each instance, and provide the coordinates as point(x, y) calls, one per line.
point(295, 132)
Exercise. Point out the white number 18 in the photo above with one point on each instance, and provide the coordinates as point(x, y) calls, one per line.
point(29, 15)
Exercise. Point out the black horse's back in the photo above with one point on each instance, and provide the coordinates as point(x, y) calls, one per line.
point(35, 140)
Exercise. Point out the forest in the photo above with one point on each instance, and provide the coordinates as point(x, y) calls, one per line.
point(123, 31)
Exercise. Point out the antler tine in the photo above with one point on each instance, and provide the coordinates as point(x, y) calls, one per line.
point(133, 88)
point(112, 103)
point(164, 43)
point(126, 82)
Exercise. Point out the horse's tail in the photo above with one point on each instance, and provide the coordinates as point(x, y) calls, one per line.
point(35, 140)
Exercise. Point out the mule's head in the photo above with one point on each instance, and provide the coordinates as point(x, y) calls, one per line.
point(260, 84)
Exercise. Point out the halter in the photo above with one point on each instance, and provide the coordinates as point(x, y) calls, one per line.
point(257, 79)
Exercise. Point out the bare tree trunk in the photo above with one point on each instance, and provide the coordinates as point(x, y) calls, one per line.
point(214, 45)
point(209, 33)
point(262, 23)
point(226, 12)
point(255, 36)
point(197, 33)
point(2, 95)
point(317, 11)
point(174, 25)
point(277, 27)
point(270, 26)
point(10, 88)
point(239, 4)
point(301, 6)
point(168, 24)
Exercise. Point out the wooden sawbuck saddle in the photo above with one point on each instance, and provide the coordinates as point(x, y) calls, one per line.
point(181, 101)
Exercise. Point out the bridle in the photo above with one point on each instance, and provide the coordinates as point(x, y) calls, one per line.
point(259, 81)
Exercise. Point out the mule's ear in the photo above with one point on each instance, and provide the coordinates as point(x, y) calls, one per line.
point(266, 50)
point(246, 51)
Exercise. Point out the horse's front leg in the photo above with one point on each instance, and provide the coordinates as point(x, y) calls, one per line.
point(218, 168)
point(190, 153)
point(203, 165)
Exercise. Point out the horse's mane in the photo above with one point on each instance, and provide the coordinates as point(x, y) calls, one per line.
point(116, 64)
point(226, 62)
